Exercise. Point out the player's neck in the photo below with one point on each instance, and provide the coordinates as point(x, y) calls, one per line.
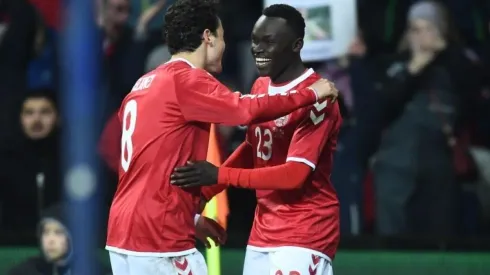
point(195, 58)
point(290, 73)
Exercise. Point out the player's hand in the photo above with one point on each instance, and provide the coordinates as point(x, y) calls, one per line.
point(325, 90)
point(199, 173)
point(209, 228)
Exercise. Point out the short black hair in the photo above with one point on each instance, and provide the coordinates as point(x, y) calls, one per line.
point(293, 17)
point(42, 93)
point(186, 20)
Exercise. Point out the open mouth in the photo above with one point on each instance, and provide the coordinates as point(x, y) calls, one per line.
point(262, 62)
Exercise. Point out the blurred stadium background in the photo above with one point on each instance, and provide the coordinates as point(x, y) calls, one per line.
point(85, 56)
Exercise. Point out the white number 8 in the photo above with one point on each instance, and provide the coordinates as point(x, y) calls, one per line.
point(130, 110)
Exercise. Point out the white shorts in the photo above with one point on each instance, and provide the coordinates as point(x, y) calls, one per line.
point(122, 264)
point(285, 262)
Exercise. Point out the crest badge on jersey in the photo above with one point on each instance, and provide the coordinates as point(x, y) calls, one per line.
point(282, 121)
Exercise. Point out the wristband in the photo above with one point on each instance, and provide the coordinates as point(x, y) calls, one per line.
point(196, 218)
point(315, 92)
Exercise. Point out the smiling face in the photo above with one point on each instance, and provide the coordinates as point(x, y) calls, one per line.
point(274, 45)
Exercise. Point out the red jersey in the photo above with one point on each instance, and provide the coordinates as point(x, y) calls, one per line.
point(165, 122)
point(307, 217)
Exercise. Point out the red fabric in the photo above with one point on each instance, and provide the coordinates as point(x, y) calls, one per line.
point(109, 49)
point(290, 175)
point(4, 17)
point(240, 158)
point(50, 11)
point(369, 200)
point(165, 122)
point(110, 143)
point(307, 216)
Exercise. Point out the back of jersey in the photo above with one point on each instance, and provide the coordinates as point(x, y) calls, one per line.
point(148, 214)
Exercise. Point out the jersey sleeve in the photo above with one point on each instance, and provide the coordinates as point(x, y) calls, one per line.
point(320, 122)
point(202, 97)
point(290, 175)
point(240, 158)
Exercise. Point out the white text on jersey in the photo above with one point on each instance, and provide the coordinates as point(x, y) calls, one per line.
point(143, 83)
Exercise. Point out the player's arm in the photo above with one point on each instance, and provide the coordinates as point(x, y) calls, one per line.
point(110, 143)
point(242, 157)
point(306, 146)
point(203, 98)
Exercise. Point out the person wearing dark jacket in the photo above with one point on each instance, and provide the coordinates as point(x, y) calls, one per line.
point(30, 161)
point(20, 23)
point(413, 98)
point(421, 95)
point(55, 244)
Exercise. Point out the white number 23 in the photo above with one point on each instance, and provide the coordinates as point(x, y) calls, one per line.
point(264, 146)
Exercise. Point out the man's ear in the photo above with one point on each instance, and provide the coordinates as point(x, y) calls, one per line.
point(298, 45)
point(208, 37)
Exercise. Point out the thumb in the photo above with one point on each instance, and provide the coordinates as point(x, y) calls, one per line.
point(206, 242)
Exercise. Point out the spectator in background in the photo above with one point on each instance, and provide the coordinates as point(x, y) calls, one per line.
point(346, 177)
point(418, 91)
point(43, 71)
point(125, 49)
point(18, 28)
point(157, 57)
point(50, 11)
point(55, 245)
point(30, 165)
point(481, 102)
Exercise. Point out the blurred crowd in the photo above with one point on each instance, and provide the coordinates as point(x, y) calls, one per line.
point(413, 155)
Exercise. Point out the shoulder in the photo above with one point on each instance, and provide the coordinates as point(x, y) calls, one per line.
point(174, 70)
point(260, 85)
point(193, 77)
point(321, 111)
point(29, 266)
point(314, 77)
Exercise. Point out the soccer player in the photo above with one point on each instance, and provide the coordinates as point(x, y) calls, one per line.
point(165, 122)
point(288, 161)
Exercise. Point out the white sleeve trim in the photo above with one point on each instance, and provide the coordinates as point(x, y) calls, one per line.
point(302, 160)
point(196, 218)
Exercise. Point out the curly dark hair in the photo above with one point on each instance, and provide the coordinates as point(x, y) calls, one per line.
point(293, 17)
point(186, 20)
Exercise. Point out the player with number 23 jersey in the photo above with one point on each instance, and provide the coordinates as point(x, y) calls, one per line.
point(289, 161)
point(306, 216)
